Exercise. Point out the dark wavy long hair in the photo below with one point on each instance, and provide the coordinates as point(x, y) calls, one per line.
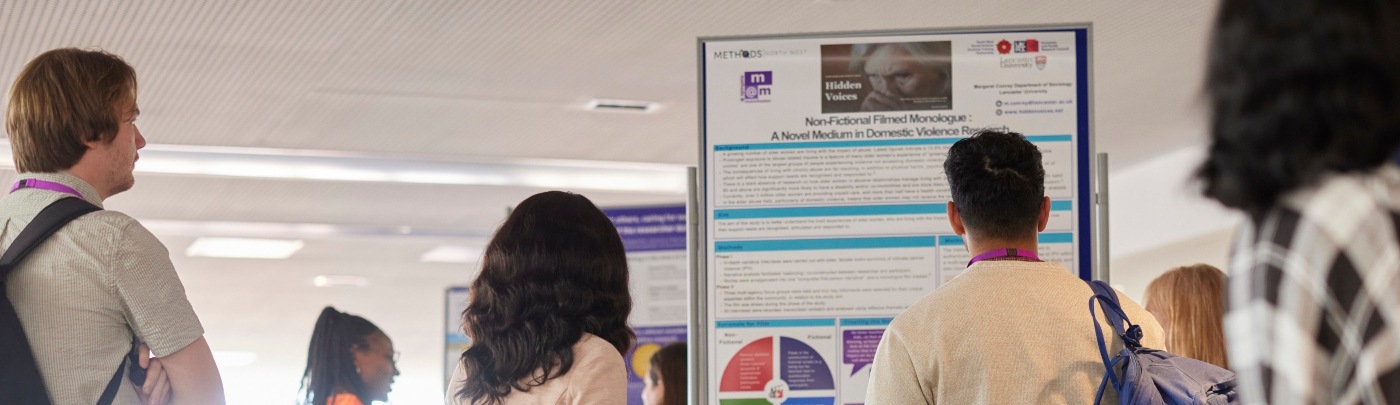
point(330, 360)
point(1299, 89)
point(554, 271)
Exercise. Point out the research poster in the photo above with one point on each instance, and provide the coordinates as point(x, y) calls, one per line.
point(824, 199)
point(655, 241)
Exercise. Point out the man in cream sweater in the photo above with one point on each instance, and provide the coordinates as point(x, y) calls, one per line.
point(1011, 329)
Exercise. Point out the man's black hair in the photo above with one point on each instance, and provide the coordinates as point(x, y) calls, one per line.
point(998, 184)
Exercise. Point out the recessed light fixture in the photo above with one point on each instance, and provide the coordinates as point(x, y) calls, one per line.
point(329, 281)
point(300, 164)
point(616, 105)
point(451, 254)
point(234, 358)
point(244, 248)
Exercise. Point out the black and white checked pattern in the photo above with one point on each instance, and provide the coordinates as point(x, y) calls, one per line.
point(1314, 313)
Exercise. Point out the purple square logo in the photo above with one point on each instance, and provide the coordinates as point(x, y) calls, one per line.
point(756, 87)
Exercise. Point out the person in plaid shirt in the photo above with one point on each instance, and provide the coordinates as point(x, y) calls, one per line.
point(1305, 103)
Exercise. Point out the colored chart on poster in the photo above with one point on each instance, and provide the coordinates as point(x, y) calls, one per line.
point(823, 202)
point(778, 362)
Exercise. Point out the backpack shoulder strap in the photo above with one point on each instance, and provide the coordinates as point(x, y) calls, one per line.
point(50, 220)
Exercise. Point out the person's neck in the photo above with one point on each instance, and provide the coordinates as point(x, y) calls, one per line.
point(93, 178)
point(977, 246)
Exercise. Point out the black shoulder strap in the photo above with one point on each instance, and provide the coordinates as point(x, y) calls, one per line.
point(50, 220)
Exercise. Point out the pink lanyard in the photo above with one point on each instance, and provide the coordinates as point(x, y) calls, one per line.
point(46, 185)
point(1000, 253)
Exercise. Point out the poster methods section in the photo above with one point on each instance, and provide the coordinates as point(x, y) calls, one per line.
point(825, 202)
point(655, 241)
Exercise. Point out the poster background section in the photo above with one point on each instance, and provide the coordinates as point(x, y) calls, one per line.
point(859, 338)
point(903, 76)
point(764, 360)
point(456, 340)
point(655, 241)
point(650, 339)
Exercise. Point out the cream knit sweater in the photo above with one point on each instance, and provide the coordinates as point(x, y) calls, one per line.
point(1003, 332)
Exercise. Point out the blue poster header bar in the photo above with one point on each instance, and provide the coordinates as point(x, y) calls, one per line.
point(955, 240)
point(866, 321)
point(754, 213)
point(775, 323)
point(872, 144)
point(824, 244)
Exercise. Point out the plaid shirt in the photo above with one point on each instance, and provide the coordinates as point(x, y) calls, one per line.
point(1314, 313)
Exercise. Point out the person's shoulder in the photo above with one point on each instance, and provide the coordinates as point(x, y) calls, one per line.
point(592, 348)
point(1340, 205)
point(109, 220)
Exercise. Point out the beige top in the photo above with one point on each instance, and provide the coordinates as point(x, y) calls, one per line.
point(82, 293)
point(598, 377)
point(1003, 332)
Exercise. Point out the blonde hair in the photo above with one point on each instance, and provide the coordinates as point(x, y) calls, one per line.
point(63, 99)
point(1192, 301)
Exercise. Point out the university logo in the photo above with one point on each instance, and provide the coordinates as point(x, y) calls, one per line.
point(1004, 47)
point(1040, 62)
point(756, 87)
point(1027, 46)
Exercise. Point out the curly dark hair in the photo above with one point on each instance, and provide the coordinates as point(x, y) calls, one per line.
point(998, 184)
point(1299, 89)
point(554, 271)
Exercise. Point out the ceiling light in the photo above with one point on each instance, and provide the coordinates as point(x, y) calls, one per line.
point(451, 254)
point(234, 358)
point(615, 105)
point(339, 281)
point(295, 164)
point(244, 248)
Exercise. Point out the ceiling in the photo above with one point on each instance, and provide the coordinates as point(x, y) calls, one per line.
point(490, 80)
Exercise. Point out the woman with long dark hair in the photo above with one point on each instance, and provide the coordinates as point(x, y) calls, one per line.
point(1305, 105)
point(548, 312)
point(350, 361)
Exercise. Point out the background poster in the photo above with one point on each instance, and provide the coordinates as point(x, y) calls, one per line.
point(655, 240)
point(824, 200)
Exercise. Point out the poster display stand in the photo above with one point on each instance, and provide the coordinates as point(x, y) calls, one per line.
point(822, 203)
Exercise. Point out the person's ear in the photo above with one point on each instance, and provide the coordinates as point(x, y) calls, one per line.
point(956, 221)
point(1044, 214)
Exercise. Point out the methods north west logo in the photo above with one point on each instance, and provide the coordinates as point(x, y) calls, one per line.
point(756, 87)
point(740, 54)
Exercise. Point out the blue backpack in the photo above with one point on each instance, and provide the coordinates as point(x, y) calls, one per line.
point(1152, 376)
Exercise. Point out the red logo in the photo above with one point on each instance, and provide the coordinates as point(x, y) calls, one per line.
point(1004, 47)
point(1032, 45)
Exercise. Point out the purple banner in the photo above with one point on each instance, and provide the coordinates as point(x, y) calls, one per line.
point(649, 340)
point(648, 229)
point(859, 347)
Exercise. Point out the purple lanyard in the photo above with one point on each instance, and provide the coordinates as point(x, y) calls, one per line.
point(46, 185)
point(1000, 253)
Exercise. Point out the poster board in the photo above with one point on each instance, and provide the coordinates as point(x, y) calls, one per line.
point(823, 200)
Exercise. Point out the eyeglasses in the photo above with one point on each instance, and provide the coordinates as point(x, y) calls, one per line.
point(394, 357)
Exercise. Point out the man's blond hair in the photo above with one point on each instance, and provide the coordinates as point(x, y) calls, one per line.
point(62, 99)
